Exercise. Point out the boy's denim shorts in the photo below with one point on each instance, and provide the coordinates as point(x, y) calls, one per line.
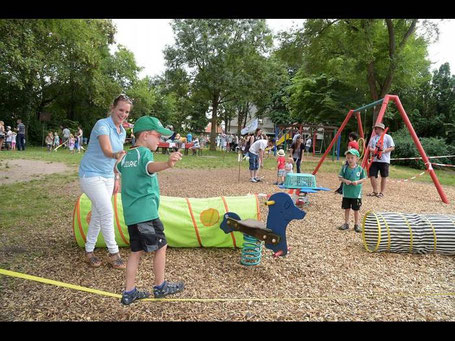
point(147, 236)
point(254, 161)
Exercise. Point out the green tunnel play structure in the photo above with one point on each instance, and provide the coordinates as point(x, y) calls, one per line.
point(188, 222)
point(408, 232)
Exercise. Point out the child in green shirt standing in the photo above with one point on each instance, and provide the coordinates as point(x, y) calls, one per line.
point(352, 175)
point(140, 200)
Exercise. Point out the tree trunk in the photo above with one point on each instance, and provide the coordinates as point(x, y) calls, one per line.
point(387, 84)
point(214, 122)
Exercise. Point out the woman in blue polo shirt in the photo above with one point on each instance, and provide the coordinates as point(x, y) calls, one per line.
point(97, 180)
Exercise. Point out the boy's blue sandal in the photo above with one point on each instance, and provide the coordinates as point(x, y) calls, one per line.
point(128, 298)
point(167, 288)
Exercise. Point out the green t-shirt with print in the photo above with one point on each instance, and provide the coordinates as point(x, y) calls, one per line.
point(140, 189)
point(352, 174)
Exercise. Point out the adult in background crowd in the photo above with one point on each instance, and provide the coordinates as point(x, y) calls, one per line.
point(296, 151)
point(257, 134)
point(380, 165)
point(20, 139)
point(308, 144)
point(97, 180)
point(79, 136)
point(2, 134)
point(66, 136)
point(256, 154)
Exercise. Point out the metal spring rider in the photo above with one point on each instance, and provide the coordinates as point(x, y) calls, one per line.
point(256, 233)
point(252, 251)
point(282, 210)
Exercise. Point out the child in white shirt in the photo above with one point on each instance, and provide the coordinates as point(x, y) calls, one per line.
point(289, 166)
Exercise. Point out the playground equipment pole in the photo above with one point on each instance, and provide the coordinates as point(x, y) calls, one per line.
point(385, 102)
point(359, 124)
point(338, 147)
point(314, 142)
point(346, 120)
point(420, 148)
point(404, 116)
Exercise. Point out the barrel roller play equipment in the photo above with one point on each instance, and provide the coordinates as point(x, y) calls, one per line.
point(188, 222)
point(408, 232)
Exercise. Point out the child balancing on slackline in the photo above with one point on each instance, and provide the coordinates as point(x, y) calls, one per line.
point(140, 200)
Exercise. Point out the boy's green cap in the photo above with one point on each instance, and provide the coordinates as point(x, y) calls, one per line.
point(353, 152)
point(148, 123)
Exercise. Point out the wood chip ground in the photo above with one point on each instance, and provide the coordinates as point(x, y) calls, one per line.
point(327, 276)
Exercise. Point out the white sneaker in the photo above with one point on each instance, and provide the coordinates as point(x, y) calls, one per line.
point(257, 179)
point(253, 180)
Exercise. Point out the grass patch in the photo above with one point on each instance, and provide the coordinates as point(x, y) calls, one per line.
point(34, 200)
point(218, 159)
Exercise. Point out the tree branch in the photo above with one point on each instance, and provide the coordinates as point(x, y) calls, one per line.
point(329, 23)
point(410, 31)
point(391, 30)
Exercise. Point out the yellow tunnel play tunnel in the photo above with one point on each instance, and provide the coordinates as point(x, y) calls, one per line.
point(188, 222)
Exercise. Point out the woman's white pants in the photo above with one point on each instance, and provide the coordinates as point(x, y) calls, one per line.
point(99, 190)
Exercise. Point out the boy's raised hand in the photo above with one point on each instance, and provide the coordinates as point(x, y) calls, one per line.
point(173, 158)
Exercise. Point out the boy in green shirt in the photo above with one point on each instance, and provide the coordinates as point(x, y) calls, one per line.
point(141, 200)
point(352, 175)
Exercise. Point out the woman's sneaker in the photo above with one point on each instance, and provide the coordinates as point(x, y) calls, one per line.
point(128, 298)
point(167, 288)
point(357, 228)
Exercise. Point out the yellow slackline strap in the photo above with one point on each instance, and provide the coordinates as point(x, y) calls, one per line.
point(57, 283)
point(267, 299)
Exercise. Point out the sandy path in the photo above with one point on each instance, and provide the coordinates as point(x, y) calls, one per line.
point(25, 170)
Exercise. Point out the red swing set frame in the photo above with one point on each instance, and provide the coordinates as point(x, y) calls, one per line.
point(384, 102)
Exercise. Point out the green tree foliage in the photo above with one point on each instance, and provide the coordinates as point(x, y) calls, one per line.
point(63, 67)
point(432, 105)
point(433, 146)
point(226, 68)
point(363, 60)
point(219, 55)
